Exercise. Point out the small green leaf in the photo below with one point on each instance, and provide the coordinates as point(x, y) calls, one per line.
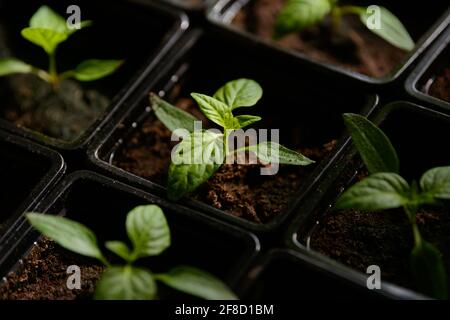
point(436, 183)
point(83, 24)
point(94, 69)
point(373, 145)
point(300, 14)
point(172, 117)
point(46, 18)
point(199, 147)
point(45, 38)
point(194, 161)
point(185, 178)
point(377, 192)
point(119, 248)
point(67, 233)
point(391, 29)
point(148, 230)
point(126, 283)
point(239, 93)
point(243, 121)
point(215, 110)
point(429, 270)
point(272, 152)
point(197, 283)
point(12, 65)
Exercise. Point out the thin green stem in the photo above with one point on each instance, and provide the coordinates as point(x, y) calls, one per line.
point(66, 74)
point(226, 137)
point(351, 10)
point(336, 18)
point(416, 233)
point(411, 213)
point(53, 72)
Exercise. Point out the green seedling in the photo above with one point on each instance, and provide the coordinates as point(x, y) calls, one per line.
point(202, 152)
point(47, 29)
point(149, 235)
point(385, 189)
point(298, 15)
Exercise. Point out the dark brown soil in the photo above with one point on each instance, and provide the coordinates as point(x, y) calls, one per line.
point(65, 114)
point(353, 46)
point(360, 239)
point(237, 189)
point(43, 275)
point(441, 86)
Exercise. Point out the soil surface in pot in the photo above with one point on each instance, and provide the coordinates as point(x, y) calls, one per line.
point(360, 239)
point(63, 114)
point(440, 87)
point(353, 46)
point(237, 189)
point(43, 275)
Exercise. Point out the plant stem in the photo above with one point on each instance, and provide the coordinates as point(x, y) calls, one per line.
point(336, 18)
point(351, 10)
point(416, 232)
point(411, 213)
point(53, 73)
point(226, 137)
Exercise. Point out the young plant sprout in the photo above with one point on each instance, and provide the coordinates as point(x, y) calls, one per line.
point(47, 29)
point(202, 152)
point(149, 235)
point(298, 15)
point(385, 189)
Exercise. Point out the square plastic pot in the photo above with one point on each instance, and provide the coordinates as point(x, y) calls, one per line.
point(423, 76)
point(283, 274)
point(317, 103)
point(416, 133)
point(432, 22)
point(102, 204)
point(27, 173)
point(110, 37)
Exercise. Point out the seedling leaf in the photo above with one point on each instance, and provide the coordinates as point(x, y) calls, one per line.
point(94, 69)
point(126, 283)
point(148, 230)
point(215, 110)
point(197, 283)
point(119, 248)
point(243, 121)
point(194, 161)
point(391, 29)
point(272, 152)
point(67, 233)
point(436, 183)
point(239, 93)
point(300, 14)
point(373, 145)
point(377, 192)
point(172, 117)
point(45, 38)
point(12, 65)
point(46, 18)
